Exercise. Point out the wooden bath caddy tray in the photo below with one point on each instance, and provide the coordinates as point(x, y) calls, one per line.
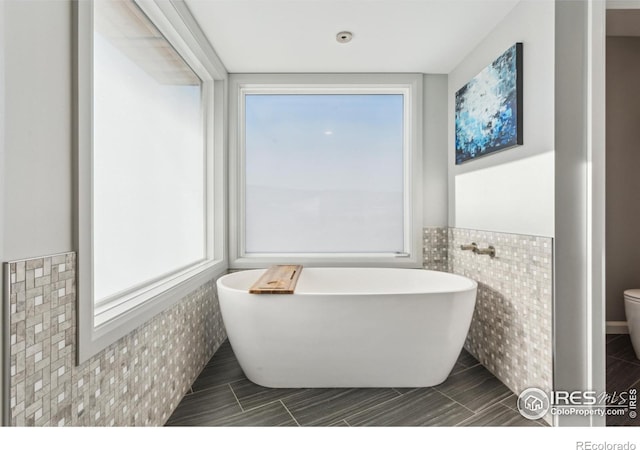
point(277, 280)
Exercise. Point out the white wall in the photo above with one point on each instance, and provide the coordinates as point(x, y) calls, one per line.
point(578, 242)
point(513, 190)
point(35, 131)
point(38, 140)
point(2, 119)
point(434, 158)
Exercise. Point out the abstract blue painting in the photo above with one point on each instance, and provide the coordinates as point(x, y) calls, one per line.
point(489, 108)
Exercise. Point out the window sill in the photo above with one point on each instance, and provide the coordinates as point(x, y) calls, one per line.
point(329, 260)
point(110, 329)
point(127, 302)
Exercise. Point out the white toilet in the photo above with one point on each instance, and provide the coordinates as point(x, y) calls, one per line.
point(632, 310)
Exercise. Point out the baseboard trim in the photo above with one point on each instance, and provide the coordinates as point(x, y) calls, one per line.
point(617, 327)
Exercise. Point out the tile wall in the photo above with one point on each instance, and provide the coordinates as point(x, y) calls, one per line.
point(138, 380)
point(436, 248)
point(511, 329)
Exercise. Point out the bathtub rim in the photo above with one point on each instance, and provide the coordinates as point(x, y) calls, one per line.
point(472, 286)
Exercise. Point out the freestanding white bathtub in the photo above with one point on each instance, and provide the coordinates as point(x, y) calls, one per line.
point(349, 327)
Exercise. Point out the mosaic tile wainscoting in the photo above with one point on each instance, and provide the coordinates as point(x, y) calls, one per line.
point(436, 248)
point(139, 380)
point(511, 329)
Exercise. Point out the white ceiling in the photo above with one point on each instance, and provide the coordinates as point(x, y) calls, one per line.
point(271, 36)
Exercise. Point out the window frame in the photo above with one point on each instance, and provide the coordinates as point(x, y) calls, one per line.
point(102, 324)
point(409, 85)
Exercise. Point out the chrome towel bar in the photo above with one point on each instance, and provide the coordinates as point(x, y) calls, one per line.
point(491, 251)
point(473, 246)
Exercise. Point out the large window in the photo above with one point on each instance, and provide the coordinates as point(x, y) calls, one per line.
point(147, 185)
point(325, 171)
point(148, 154)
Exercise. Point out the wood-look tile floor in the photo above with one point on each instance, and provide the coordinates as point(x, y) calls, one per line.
point(623, 373)
point(223, 396)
